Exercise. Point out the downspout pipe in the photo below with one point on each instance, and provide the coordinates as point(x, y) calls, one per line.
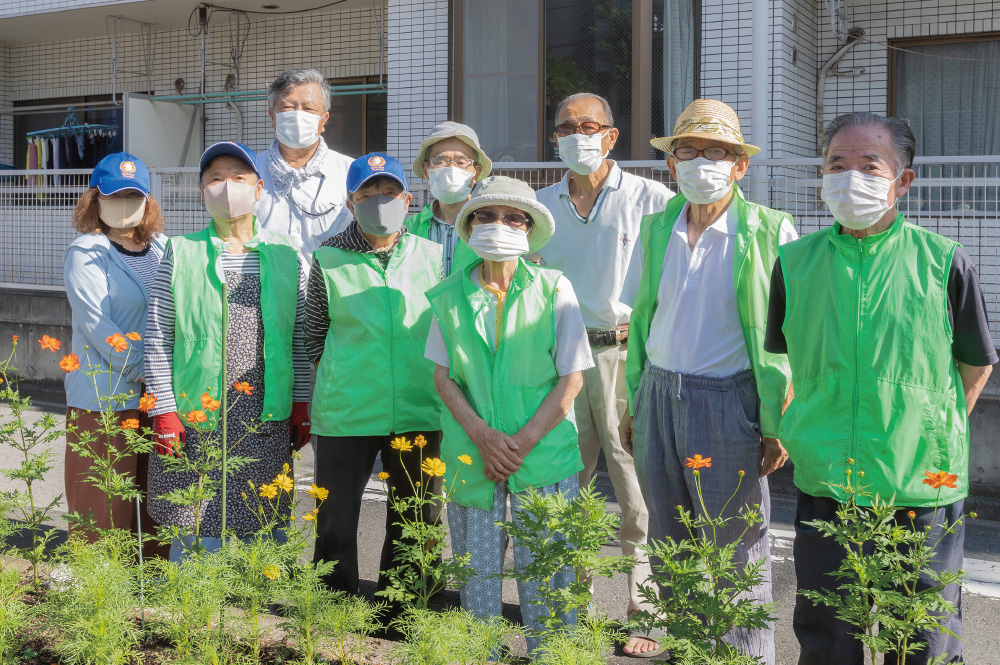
point(854, 35)
point(228, 87)
point(760, 102)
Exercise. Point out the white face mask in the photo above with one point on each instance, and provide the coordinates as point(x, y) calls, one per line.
point(582, 153)
point(497, 242)
point(857, 200)
point(450, 184)
point(122, 213)
point(703, 181)
point(296, 129)
point(230, 199)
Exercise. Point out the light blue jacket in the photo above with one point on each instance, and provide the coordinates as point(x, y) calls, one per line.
point(107, 298)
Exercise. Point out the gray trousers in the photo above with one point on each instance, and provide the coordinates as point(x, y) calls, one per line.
point(826, 640)
point(478, 533)
point(677, 416)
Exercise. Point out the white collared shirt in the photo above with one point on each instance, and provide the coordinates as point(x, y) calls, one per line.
point(594, 252)
point(696, 326)
point(325, 193)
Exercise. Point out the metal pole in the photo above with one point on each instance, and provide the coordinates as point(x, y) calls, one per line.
point(760, 103)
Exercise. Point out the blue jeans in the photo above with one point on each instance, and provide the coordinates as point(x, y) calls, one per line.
point(180, 547)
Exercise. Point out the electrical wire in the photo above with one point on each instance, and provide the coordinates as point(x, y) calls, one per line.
point(926, 55)
point(272, 13)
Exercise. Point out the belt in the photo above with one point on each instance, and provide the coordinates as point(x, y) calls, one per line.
point(604, 338)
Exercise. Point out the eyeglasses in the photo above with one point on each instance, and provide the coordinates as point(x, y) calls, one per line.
point(588, 128)
point(440, 161)
point(713, 154)
point(513, 219)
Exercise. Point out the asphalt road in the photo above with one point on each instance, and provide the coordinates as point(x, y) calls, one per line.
point(981, 597)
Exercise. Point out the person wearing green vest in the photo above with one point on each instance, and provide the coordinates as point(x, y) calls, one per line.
point(510, 347)
point(451, 160)
point(225, 336)
point(885, 328)
point(696, 370)
point(367, 318)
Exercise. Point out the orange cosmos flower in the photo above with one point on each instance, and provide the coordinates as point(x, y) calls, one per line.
point(130, 423)
point(14, 338)
point(134, 336)
point(147, 402)
point(196, 417)
point(208, 403)
point(940, 479)
point(243, 387)
point(69, 363)
point(117, 342)
point(50, 343)
point(698, 462)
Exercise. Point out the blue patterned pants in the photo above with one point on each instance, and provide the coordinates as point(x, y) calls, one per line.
point(475, 531)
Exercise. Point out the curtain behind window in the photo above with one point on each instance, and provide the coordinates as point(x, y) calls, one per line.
point(678, 59)
point(952, 105)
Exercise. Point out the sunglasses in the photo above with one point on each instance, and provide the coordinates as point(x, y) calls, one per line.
point(513, 219)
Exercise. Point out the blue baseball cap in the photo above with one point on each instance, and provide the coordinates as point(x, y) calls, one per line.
point(233, 148)
point(371, 166)
point(120, 171)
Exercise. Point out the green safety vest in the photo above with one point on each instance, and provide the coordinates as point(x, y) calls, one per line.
point(756, 250)
point(870, 347)
point(507, 387)
point(373, 379)
point(201, 313)
point(420, 224)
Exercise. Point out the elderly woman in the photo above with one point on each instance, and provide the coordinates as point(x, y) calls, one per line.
point(239, 280)
point(510, 346)
point(109, 271)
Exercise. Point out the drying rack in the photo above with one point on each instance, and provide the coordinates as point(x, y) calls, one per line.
point(72, 127)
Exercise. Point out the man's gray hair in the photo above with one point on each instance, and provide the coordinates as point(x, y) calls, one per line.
point(587, 95)
point(899, 132)
point(291, 78)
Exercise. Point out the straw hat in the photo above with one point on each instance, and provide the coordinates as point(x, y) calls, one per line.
point(447, 130)
point(707, 119)
point(501, 190)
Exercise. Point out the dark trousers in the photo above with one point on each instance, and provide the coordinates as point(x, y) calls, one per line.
point(343, 466)
point(825, 639)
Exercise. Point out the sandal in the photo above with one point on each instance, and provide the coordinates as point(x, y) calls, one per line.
point(652, 636)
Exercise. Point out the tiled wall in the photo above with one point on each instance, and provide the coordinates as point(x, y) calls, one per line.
point(418, 73)
point(793, 93)
point(6, 122)
point(883, 20)
point(338, 44)
point(725, 55)
point(10, 8)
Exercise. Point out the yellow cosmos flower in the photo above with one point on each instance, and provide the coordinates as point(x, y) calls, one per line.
point(465, 459)
point(382, 475)
point(420, 441)
point(401, 444)
point(318, 492)
point(432, 466)
point(268, 491)
point(308, 517)
point(271, 572)
point(283, 482)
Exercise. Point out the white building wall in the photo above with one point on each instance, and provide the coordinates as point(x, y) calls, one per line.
point(9, 8)
point(884, 20)
point(418, 73)
point(338, 44)
point(6, 122)
point(795, 67)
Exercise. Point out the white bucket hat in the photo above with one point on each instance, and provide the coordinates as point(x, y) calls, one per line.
point(447, 130)
point(501, 190)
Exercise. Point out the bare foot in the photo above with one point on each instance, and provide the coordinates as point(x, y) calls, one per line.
point(639, 645)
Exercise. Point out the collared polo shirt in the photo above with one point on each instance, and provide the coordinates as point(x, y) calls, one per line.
point(696, 327)
point(313, 210)
point(594, 252)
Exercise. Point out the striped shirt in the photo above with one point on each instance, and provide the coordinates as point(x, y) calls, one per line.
point(145, 263)
point(445, 235)
point(317, 302)
point(160, 330)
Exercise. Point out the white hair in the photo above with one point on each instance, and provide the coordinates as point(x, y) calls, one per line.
point(292, 78)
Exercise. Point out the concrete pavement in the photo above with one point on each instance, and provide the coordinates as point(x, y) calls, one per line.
point(981, 597)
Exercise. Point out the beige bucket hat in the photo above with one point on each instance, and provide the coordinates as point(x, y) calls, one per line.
point(447, 130)
point(501, 190)
point(707, 119)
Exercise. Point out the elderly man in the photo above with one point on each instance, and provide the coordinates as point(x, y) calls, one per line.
point(451, 160)
point(303, 179)
point(697, 370)
point(597, 209)
point(885, 328)
point(367, 321)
